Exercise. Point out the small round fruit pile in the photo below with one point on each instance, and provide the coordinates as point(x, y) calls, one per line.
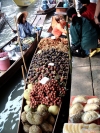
point(48, 94)
point(41, 66)
point(37, 121)
point(60, 44)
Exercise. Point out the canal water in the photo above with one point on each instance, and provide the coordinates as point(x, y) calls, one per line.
point(12, 92)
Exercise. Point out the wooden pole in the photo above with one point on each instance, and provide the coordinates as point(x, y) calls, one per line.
point(37, 30)
point(23, 74)
point(34, 19)
point(10, 26)
point(20, 46)
point(37, 36)
point(69, 50)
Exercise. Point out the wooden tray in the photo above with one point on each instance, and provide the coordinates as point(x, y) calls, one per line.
point(89, 97)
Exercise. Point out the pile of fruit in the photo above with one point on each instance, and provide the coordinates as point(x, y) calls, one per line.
point(48, 94)
point(37, 121)
point(50, 63)
point(60, 44)
point(46, 86)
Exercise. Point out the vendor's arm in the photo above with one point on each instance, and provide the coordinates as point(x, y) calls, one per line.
point(62, 29)
point(30, 27)
point(75, 35)
point(21, 31)
point(97, 11)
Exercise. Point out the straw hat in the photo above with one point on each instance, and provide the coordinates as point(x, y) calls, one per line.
point(20, 13)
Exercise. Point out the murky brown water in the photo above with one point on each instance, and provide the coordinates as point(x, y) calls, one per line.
point(12, 92)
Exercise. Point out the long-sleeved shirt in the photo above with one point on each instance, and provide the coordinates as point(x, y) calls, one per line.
point(25, 29)
point(86, 36)
point(89, 13)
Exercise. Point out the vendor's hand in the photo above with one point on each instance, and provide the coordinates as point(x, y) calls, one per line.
point(97, 21)
point(14, 31)
point(56, 37)
point(38, 28)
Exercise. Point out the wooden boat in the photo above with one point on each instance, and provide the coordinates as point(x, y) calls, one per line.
point(2, 20)
point(61, 10)
point(51, 9)
point(62, 116)
point(23, 3)
point(15, 65)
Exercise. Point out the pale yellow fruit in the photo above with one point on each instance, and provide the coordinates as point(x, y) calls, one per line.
point(30, 86)
point(53, 109)
point(27, 94)
point(27, 108)
point(27, 102)
point(42, 108)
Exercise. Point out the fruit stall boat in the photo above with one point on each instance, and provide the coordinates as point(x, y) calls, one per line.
point(23, 3)
point(2, 20)
point(51, 9)
point(61, 8)
point(47, 64)
point(47, 106)
point(15, 61)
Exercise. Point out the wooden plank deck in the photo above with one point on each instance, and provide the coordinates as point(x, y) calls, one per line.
point(86, 76)
point(95, 68)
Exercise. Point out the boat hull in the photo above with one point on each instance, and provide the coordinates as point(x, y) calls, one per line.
point(23, 3)
point(17, 64)
point(39, 21)
point(62, 117)
point(51, 9)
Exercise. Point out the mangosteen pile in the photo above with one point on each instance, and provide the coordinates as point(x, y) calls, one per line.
point(49, 63)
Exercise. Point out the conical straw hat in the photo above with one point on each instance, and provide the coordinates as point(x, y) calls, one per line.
point(20, 13)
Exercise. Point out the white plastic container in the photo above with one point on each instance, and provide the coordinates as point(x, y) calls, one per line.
point(10, 49)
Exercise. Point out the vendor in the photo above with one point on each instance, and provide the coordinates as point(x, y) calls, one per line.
point(83, 34)
point(25, 28)
point(88, 9)
point(58, 29)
